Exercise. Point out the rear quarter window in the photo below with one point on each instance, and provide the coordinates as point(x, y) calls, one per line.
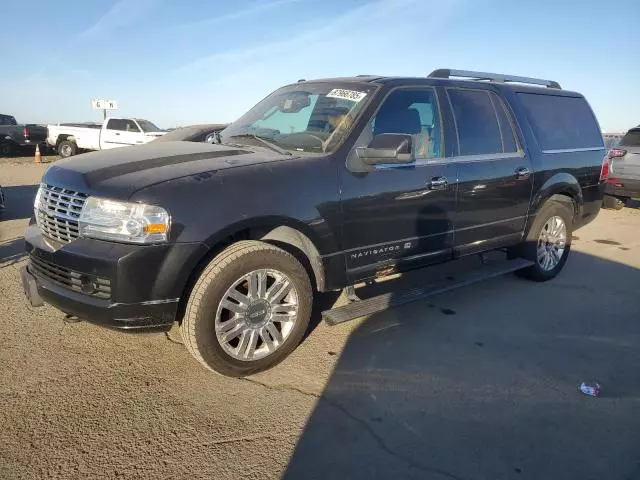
point(561, 123)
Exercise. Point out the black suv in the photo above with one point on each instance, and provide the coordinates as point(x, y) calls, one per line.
point(323, 184)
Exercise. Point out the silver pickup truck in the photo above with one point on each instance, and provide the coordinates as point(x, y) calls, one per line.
point(13, 136)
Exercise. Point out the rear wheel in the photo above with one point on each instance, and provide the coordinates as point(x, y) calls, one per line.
point(6, 149)
point(613, 203)
point(548, 243)
point(248, 310)
point(67, 148)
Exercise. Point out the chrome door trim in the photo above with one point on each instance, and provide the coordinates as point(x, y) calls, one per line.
point(573, 150)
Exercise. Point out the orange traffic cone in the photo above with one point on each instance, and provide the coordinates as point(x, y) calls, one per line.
point(38, 157)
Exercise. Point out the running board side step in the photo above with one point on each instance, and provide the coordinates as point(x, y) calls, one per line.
point(386, 301)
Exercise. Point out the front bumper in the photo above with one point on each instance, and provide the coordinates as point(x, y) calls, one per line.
point(137, 288)
point(623, 188)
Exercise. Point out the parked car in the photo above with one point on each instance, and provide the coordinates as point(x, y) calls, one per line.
point(193, 133)
point(624, 171)
point(13, 135)
point(320, 186)
point(69, 138)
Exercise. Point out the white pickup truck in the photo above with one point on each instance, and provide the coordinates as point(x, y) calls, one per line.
point(69, 138)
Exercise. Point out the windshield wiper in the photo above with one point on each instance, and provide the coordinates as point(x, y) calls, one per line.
point(264, 141)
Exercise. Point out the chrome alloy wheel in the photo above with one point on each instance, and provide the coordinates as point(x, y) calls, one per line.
point(551, 243)
point(256, 314)
point(65, 150)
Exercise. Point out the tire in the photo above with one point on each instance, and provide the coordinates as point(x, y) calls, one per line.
point(613, 203)
point(206, 320)
point(67, 148)
point(529, 249)
point(6, 149)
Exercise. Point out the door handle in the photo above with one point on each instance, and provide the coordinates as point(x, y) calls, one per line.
point(117, 133)
point(438, 183)
point(522, 173)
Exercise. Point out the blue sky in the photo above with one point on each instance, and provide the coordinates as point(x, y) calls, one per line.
point(180, 62)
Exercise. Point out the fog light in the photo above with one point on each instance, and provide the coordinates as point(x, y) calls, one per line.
point(87, 285)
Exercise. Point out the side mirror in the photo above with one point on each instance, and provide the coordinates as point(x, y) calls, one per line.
point(394, 148)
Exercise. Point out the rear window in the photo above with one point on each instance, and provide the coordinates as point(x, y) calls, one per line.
point(123, 125)
point(631, 139)
point(561, 123)
point(478, 130)
point(482, 123)
point(508, 137)
point(116, 124)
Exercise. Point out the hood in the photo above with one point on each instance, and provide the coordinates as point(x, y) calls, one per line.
point(119, 172)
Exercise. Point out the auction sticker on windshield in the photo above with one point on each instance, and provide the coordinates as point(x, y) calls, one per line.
point(344, 94)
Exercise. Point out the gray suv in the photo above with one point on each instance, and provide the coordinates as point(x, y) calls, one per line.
point(624, 171)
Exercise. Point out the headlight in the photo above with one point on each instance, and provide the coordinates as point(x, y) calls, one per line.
point(123, 221)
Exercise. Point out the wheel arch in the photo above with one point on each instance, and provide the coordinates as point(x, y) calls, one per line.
point(288, 234)
point(61, 138)
point(562, 187)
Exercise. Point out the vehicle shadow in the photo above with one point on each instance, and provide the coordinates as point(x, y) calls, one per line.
point(11, 251)
point(482, 383)
point(18, 202)
point(26, 151)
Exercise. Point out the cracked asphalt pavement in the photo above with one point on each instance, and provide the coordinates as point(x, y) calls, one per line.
point(478, 383)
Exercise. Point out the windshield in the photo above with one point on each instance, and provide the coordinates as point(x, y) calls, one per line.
point(308, 117)
point(147, 126)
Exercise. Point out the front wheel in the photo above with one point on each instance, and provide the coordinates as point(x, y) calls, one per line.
point(548, 243)
point(248, 310)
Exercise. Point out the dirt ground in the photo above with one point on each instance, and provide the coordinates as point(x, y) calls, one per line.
point(479, 383)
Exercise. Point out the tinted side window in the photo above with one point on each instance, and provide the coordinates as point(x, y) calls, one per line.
point(117, 124)
point(506, 127)
point(7, 120)
point(413, 112)
point(561, 123)
point(478, 129)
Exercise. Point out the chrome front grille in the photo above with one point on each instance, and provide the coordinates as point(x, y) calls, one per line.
point(58, 211)
point(98, 287)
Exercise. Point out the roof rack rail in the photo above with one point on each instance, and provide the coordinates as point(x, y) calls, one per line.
point(492, 77)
